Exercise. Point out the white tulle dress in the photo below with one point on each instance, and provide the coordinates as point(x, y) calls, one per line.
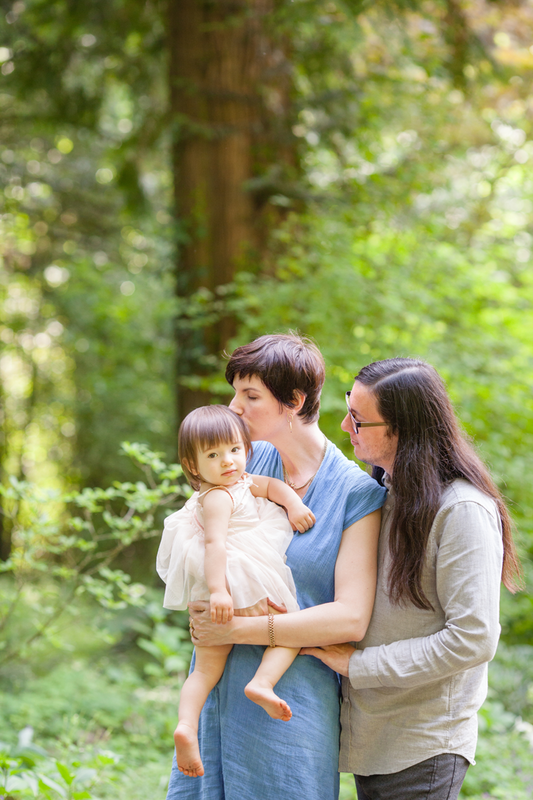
point(258, 536)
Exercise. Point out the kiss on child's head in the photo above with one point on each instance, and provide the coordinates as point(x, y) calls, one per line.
point(206, 427)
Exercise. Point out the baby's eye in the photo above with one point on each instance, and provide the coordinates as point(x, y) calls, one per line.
point(212, 455)
point(236, 449)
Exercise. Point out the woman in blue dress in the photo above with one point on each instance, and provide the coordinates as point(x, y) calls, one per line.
point(246, 754)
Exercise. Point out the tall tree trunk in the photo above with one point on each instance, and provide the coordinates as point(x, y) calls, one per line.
point(220, 57)
point(459, 38)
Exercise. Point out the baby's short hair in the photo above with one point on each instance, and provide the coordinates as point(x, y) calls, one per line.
point(205, 427)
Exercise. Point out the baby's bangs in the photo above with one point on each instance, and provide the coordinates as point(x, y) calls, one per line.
point(213, 433)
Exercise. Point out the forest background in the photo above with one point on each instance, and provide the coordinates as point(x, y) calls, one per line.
point(176, 178)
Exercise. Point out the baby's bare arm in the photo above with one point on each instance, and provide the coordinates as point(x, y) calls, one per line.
point(300, 517)
point(217, 507)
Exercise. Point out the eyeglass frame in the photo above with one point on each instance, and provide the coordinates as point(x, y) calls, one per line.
point(355, 424)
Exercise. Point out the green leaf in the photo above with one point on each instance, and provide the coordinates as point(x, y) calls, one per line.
point(48, 783)
point(64, 772)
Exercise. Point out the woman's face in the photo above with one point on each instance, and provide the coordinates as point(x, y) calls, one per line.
point(374, 446)
point(258, 407)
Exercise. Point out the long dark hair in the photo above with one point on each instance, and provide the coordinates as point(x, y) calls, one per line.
point(432, 451)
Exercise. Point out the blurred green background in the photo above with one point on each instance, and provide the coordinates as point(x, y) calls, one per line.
point(178, 177)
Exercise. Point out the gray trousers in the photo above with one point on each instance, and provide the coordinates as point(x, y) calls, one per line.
point(437, 778)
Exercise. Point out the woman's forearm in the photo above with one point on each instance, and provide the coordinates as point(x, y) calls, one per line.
point(329, 623)
point(343, 620)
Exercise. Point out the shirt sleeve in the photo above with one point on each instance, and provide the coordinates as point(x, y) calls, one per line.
point(365, 496)
point(468, 569)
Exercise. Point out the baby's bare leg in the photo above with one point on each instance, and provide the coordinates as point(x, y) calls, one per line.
point(208, 669)
point(276, 661)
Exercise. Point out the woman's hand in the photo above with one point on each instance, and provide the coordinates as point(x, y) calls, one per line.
point(204, 632)
point(335, 656)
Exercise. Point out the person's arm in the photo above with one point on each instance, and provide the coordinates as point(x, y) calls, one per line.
point(468, 568)
point(300, 517)
point(345, 619)
point(217, 506)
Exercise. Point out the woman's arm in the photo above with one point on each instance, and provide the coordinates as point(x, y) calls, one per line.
point(468, 569)
point(217, 507)
point(345, 619)
point(300, 517)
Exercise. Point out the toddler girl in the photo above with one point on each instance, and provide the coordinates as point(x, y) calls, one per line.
point(227, 545)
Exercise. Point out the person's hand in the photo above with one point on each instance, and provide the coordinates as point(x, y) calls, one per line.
point(335, 656)
point(203, 631)
point(221, 606)
point(300, 517)
point(198, 608)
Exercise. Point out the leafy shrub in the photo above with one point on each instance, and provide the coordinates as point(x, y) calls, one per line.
point(75, 537)
point(27, 770)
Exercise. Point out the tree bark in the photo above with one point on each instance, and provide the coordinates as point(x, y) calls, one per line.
point(222, 99)
point(458, 37)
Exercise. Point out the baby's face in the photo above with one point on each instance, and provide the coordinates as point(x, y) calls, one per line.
point(222, 465)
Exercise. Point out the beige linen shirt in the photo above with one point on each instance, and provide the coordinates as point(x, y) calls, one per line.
point(418, 678)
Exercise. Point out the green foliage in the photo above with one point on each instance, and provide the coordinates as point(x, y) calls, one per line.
point(503, 757)
point(89, 700)
point(76, 537)
point(29, 771)
point(170, 646)
point(409, 232)
point(85, 291)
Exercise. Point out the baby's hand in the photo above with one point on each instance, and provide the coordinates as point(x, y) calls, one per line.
point(300, 517)
point(221, 606)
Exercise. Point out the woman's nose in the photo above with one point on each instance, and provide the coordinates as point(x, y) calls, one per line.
point(235, 406)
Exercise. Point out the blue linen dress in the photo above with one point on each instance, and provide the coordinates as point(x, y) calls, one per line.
point(246, 754)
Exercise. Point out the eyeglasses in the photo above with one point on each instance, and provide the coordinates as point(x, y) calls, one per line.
point(355, 423)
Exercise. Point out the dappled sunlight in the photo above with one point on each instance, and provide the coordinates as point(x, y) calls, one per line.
point(363, 178)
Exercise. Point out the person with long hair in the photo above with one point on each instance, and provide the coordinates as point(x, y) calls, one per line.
point(246, 754)
point(415, 682)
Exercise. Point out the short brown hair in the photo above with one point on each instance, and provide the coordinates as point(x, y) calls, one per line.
point(205, 427)
point(285, 363)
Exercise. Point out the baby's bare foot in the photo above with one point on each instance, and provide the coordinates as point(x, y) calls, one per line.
point(265, 697)
point(187, 751)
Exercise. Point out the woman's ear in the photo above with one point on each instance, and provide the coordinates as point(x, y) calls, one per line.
point(298, 398)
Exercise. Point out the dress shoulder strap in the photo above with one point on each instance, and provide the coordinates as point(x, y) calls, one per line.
point(201, 496)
